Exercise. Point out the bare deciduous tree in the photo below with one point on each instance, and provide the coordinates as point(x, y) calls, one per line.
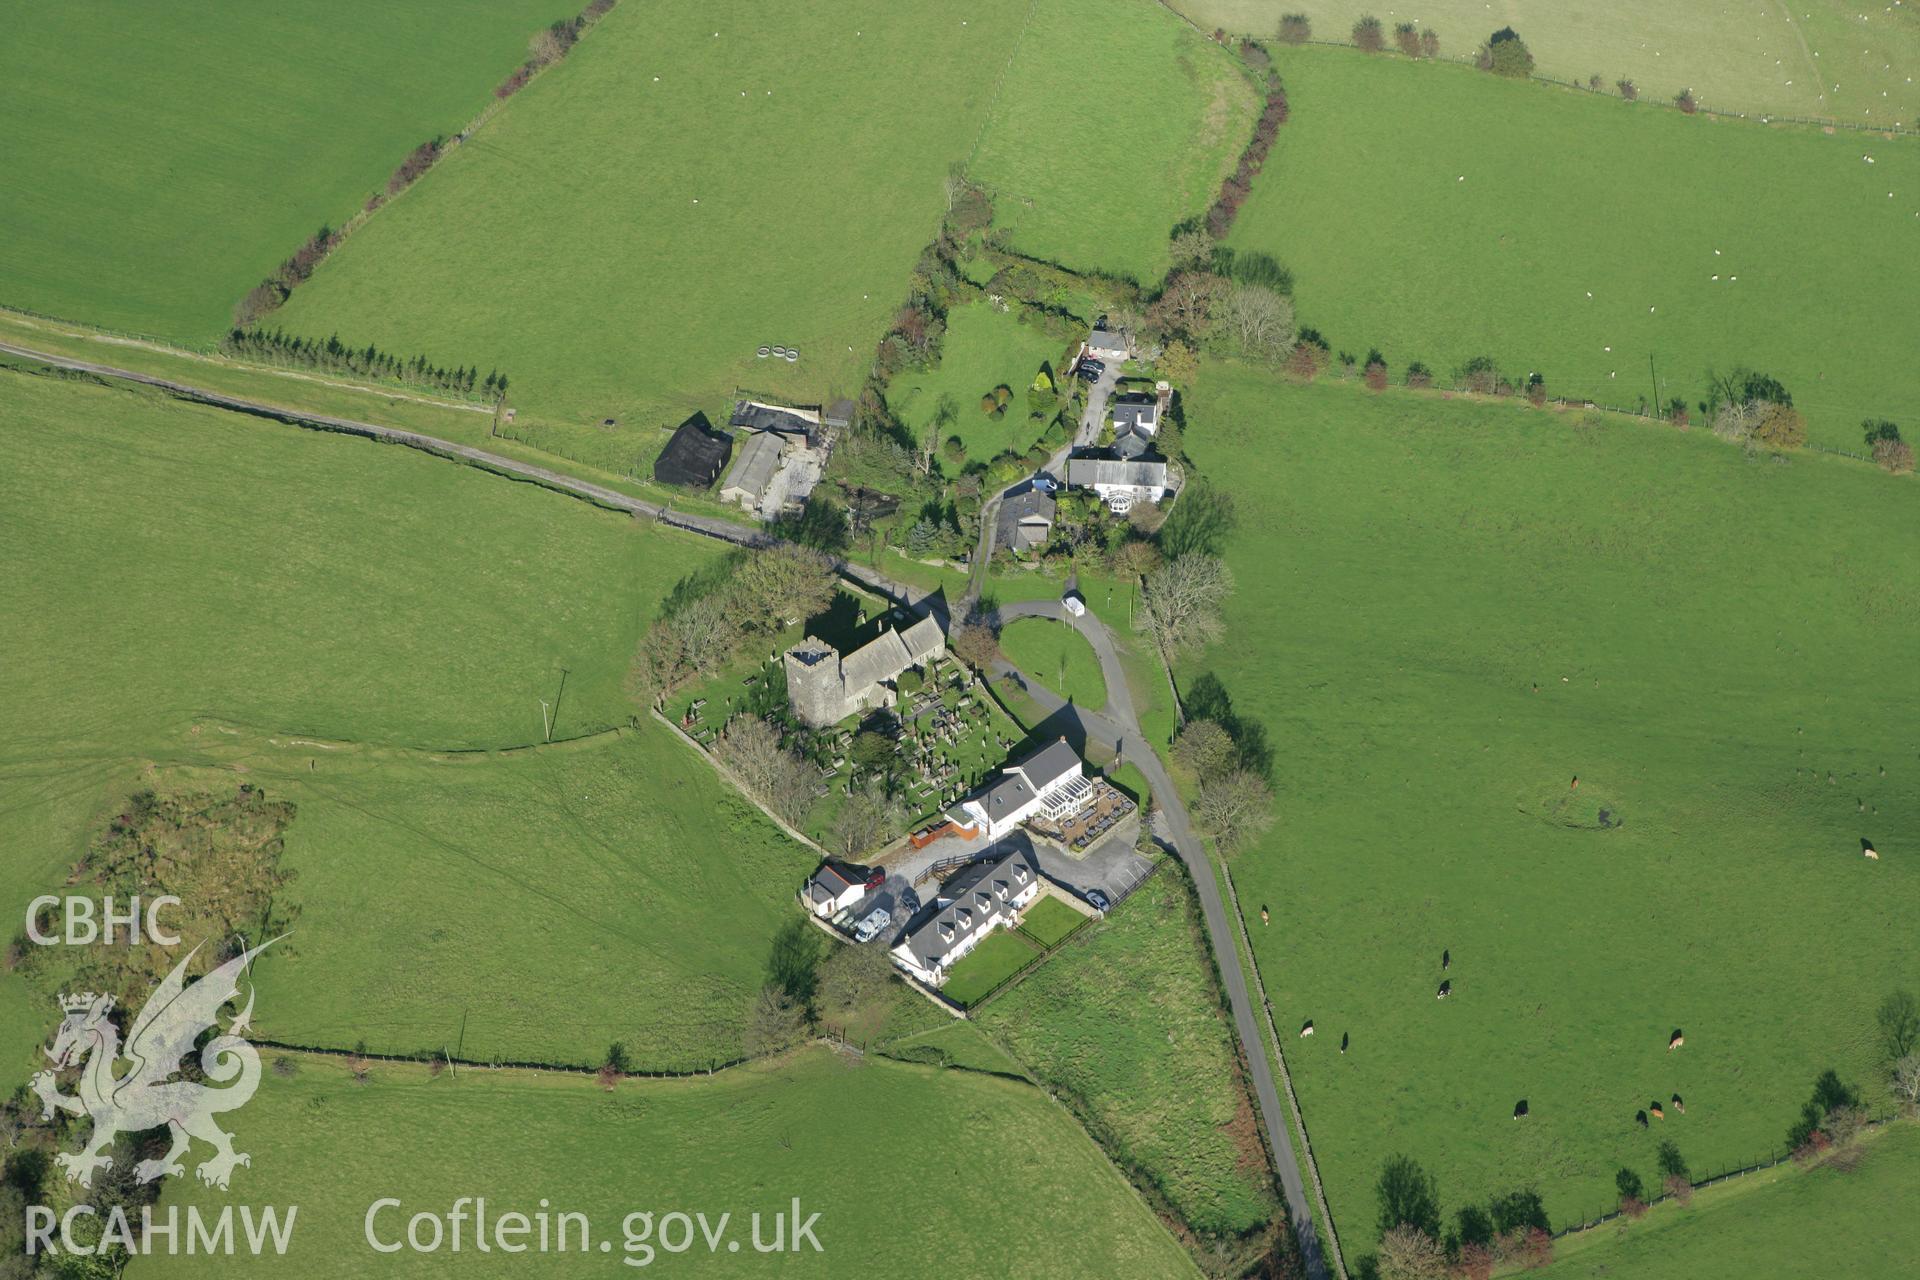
point(774, 1022)
point(852, 976)
point(1407, 1253)
point(780, 585)
point(1235, 807)
point(868, 818)
point(1906, 1080)
point(773, 775)
point(1183, 599)
point(1260, 320)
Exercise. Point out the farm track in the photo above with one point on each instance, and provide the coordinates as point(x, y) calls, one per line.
point(1117, 728)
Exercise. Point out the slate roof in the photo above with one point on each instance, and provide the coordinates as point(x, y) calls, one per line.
point(757, 464)
point(1025, 516)
point(1141, 414)
point(1049, 764)
point(1132, 445)
point(828, 883)
point(1107, 340)
point(695, 455)
point(982, 894)
point(923, 637)
point(755, 416)
point(1088, 470)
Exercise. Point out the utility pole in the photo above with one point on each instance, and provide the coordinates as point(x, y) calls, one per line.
point(546, 723)
point(1654, 380)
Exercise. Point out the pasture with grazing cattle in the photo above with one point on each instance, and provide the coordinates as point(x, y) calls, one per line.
point(1439, 214)
point(1446, 613)
point(174, 163)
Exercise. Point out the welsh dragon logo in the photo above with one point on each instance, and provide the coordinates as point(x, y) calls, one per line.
point(147, 1096)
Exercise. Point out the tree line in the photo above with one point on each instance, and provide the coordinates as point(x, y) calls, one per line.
point(278, 348)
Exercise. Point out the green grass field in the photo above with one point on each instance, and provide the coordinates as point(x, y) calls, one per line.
point(1448, 611)
point(1058, 656)
point(1126, 1021)
point(1820, 1222)
point(809, 1126)
point(984, 349)
point(1115, 123)
point(159, 168)
point(187, 563)
point(634, 225)
point(1757, 58)
point(191, 588)
point(1000, 955)
point(1440, 214)
point(467, 901)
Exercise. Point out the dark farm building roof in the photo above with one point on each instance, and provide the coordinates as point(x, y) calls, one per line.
point(695, 455)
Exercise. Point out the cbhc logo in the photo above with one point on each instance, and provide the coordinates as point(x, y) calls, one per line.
point(84, 925)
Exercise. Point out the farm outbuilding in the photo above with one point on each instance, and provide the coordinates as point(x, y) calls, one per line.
point(695, 456)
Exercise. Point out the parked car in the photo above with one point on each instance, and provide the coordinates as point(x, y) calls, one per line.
point(1090, 370)
point(1097, 900)
point(875, 878)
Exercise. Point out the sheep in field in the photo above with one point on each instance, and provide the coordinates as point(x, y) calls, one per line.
point(1306, 1028)
point(1675, 1040)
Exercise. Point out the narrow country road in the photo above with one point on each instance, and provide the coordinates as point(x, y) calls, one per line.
point(1118, 728)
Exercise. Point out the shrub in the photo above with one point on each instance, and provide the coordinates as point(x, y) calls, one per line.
point(418, 161)
point(1419, 377)
point(1506, 54)
point(1429, 43)
point(1628, 89)
point(1375, 372)
point(1684, 101)
point(1896, 456)
point(1479, 376)
point(1368, 34)
point(1296, 28)
point(1536, 390)
point(1878, 429)
point(1406, 38)
point(1308, 360)
point(1594, 82)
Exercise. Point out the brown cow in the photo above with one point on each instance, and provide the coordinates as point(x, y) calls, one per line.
point(1653, 1109)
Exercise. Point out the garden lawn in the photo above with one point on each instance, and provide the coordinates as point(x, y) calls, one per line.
point(1396, 196)
point(158, 167)
point(1116, 122)
point(1049, 921)
point(1000, 955)
point(1125, 1022)
point(983, 349)
point(1817, 1222)
point(695, 181)
point(1058, 656)
point(1753, 58)
point(1447, 612)
point(744, 1142)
